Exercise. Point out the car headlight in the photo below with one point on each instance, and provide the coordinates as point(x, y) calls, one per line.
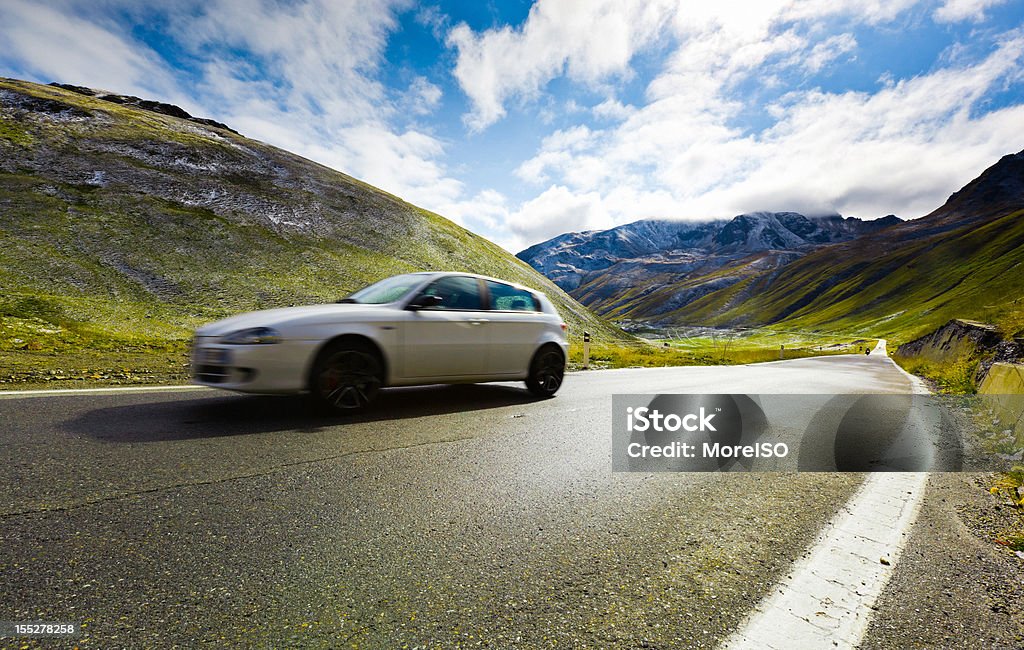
point(252, 336)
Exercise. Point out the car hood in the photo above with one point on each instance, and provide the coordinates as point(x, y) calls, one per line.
point(287, 315)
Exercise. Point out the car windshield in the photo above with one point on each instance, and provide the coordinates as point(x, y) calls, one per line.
point(385, 291)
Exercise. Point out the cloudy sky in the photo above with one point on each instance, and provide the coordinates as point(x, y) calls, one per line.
point(524, 120)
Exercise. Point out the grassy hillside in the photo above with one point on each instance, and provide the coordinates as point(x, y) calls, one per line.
point(123, 229)
point(621, 294)
point(972, 272)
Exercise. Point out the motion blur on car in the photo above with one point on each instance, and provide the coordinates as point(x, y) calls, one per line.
point(406, 330)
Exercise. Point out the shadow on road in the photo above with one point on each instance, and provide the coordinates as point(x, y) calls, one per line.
point(230, 415)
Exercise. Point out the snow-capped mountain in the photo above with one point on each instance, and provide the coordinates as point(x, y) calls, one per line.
point(574, 260)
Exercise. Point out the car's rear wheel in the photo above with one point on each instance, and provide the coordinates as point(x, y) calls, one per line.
point(346, 377)
point(547, 370)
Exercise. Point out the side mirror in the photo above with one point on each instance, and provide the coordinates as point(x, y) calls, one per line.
point(425, 302)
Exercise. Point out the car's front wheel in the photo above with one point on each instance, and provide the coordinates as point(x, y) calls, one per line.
point(546, 371)
point(346, 377)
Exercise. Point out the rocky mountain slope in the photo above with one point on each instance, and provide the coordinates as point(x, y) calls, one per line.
point(124, 223)
point(652, 267)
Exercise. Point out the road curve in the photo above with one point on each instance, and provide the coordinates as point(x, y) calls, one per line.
point(455, 516)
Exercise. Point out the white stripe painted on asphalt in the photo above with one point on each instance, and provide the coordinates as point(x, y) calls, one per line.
point(90, 391)
point(825, 601)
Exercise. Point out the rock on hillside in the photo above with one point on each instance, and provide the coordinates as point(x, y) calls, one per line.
point(962, 340)
point(957, 337)
point(145, 104)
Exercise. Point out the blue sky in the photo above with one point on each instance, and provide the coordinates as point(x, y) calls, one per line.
point(523, 120)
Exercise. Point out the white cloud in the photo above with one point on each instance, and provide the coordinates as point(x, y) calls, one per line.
point(54, 45)
point(432, 17)
point(901, 149)
point(827, 51)
point(953, 11)
point(488, 209)
point(870, 12)
point(556, 150)
point(592, 41)
point(555, 211)
point(422, 97)
point(587, 40)
point(612, 109)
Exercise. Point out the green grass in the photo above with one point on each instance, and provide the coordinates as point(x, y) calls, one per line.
point(727, 349)
point(642, 302)
point(15, 133)
point(60, 341)
point(954, 375)
point(89, 367)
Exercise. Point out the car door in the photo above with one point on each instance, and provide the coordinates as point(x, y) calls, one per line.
point(450, 338)
point(516, 325)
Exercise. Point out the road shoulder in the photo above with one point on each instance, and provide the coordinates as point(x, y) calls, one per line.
point(953, 587)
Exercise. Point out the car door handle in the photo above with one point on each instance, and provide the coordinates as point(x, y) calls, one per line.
point(478, 321)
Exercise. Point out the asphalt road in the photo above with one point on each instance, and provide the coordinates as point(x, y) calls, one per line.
point(466, 516)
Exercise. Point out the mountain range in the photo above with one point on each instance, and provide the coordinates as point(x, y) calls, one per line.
point(128, 222)
point(885, 277)
point(651, 267)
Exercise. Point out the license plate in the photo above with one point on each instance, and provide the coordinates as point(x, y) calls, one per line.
point(215, 357)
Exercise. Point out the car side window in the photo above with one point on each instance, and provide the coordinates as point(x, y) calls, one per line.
point(456, 292)
point(505, 297)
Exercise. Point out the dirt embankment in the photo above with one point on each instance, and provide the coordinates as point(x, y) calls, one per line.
point(965, 341)
point(956, 338)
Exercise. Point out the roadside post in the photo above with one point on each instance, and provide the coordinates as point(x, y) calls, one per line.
point(782, 352)
point(586, 350)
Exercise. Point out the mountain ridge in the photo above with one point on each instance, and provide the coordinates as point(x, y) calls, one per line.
point(601, 268)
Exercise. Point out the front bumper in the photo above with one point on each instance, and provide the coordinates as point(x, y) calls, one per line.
point(267, 368)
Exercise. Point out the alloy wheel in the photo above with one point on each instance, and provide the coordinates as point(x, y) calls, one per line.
point(349, 380)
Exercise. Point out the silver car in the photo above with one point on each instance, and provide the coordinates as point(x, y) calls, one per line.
point(411, 329)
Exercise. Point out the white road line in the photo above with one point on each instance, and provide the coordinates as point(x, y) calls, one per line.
point(825, 601)
point(89, 391)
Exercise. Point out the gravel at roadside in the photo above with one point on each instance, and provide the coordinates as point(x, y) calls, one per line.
point(954, 586)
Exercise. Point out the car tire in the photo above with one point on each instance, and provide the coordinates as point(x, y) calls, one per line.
point(547, 370)
point(346, 377)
